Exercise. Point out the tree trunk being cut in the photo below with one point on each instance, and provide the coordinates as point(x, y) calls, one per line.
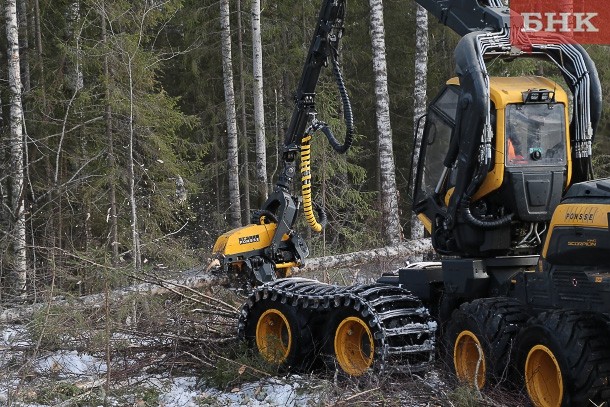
point(207, 277)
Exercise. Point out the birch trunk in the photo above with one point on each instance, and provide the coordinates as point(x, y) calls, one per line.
point(259, 110)
point(388, 193)
point(200, 279)
point(419, 100)
point(19, 277)
point(232, 149)
point(245, 177)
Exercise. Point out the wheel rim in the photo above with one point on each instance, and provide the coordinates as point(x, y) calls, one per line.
point(469, 359)
point(273, 336)
point(543, 377)
point(354, 346)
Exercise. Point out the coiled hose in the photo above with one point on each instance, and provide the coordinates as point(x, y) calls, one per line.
point(308, 205)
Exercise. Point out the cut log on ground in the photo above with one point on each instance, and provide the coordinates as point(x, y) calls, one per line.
point(205, 277)
point(398, 252)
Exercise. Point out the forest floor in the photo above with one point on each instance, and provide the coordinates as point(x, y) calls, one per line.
point(180, 355)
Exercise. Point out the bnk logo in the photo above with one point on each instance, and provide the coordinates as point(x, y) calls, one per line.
point(552, 22)
point(559, 22)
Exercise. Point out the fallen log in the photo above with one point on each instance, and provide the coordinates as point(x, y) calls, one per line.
point(397, 252)
point(205, 277)
point(191, 279)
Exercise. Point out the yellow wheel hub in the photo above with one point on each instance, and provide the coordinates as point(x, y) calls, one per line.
point(354, 346)
point(273, 336)
point(469, 359)
point(543, 377)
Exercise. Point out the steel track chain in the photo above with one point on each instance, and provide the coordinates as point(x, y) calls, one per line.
point(400, 324)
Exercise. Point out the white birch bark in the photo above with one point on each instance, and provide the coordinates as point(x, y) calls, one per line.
point(259, 110)
point(419, 99)
point(232, 149)
point(19, 277)
point(388, 191)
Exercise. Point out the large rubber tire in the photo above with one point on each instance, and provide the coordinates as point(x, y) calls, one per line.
point(479, 339)
point(280, 335)
point(350, 345)
point(564, 358)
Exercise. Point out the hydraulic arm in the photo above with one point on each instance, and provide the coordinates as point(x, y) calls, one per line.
point(270, 244)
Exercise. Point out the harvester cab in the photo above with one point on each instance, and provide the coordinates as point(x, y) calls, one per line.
point(524, 180)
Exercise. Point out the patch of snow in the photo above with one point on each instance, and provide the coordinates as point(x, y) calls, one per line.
point(265, 393)
point(186, 392)
point(14, 336)
point(71, 363)
point(182, 393)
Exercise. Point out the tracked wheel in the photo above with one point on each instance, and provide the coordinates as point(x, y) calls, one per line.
point(279, 335)
point(564, 358)
point(378, 328)
point(480, 339)
point(355, 329)
point(351, 343)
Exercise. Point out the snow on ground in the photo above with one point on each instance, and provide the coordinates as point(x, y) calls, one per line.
point(71, 370)
point(186, 392)
point(79, 367)
point(66, 364)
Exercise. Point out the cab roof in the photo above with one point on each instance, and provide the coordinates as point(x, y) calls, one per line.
point(507, 90)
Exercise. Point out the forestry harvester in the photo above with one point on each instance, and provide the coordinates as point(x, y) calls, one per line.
point(503, 187)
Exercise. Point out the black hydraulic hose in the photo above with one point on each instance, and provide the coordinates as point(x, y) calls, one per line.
point(347, 114)
point(465, 205)
point(258, 215)
point(484, 223)
point(322, 216)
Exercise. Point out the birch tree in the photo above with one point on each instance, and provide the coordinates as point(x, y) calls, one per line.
point(232, 148)
point(259, 111)
point(388, 190)
point(16, 151)
point(419, 98)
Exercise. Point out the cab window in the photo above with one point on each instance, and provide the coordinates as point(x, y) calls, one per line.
point(535, 134)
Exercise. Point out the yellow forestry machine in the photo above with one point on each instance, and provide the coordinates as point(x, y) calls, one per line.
point(504, 189)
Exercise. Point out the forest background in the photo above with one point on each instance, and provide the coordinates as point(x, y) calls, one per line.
point(124, 132)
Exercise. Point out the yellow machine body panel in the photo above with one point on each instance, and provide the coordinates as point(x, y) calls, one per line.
point(245, 239)
point(575, 215)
